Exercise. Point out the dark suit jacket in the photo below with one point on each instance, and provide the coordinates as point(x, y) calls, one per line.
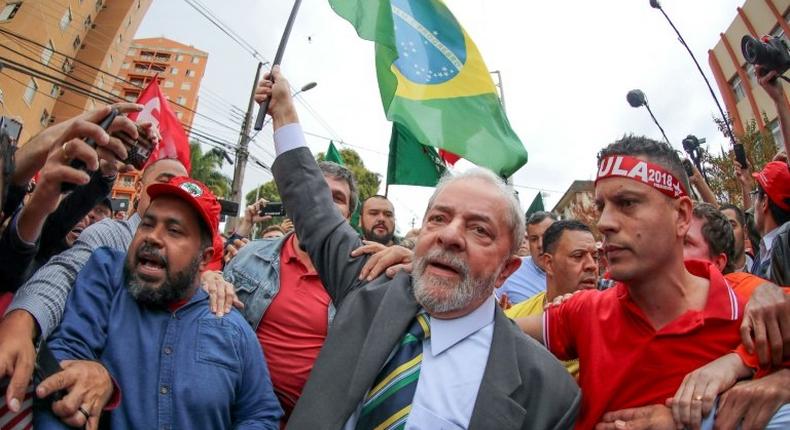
point(523, 386)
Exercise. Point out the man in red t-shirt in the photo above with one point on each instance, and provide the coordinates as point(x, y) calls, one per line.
point(284, 298)
point(665, 317)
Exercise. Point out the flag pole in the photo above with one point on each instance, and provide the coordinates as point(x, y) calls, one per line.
point(277, 59)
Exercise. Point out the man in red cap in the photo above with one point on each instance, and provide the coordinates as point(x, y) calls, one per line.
point(771, 201)
point(142, 318)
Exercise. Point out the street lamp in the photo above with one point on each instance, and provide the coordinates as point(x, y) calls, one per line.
point(637, 98)
point(306, 87)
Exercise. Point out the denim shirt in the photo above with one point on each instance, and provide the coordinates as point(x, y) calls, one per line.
point(255, 272)
point(181, 369)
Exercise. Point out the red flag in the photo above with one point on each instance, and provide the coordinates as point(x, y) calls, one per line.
point(174, 143)
point(449, 157)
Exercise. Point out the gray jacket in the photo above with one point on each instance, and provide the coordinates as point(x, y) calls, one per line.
point(523, 387)
point(255, 272)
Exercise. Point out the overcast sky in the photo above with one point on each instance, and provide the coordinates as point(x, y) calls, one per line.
point(566, 68)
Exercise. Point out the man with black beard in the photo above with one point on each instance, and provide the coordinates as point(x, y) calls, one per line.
point(378, 221)
point(142, 318)
point(432, 350)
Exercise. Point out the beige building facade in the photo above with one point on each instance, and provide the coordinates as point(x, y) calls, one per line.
point(62, 56)
point(743, 97)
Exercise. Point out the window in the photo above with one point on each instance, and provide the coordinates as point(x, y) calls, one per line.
point(100, 83)
point(66, 19)
point(44, 120)
point(190, 73)
point(55, 91)
point(9, 10)
point(2, 99)
point(30, 91)
point(131, 96)
point(46, 54)
point(109, 61)
point(77, 42)
point(158, 68)
point(174, 71)
point(168, 84)
point(160, 56)
point(737, 88)
point(179, 57)
point(131, 52)
point(186, 86)
point(127, 181)
point(751, 73)
point(195, 60)
point(776, 132)
point(181, 100)
point(88, 23)
point(98, 5)
point(179, 115)
point(120, 39)
point(125, 65)
point(777, 31)
point(66, 67)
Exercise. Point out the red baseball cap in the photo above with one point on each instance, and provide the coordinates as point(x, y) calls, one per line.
point(196, 194)
point(775, 180)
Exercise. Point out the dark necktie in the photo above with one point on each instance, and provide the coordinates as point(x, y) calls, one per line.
point(387, 405)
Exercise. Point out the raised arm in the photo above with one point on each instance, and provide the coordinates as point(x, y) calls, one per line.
point(322, 231)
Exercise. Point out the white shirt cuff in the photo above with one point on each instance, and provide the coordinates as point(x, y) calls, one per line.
point(288, 137)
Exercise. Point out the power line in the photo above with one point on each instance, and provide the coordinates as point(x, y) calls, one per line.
point(203, 10)
point(209, 15)
point(117, 78)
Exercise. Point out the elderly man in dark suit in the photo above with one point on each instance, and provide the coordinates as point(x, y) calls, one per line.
point(429, 350)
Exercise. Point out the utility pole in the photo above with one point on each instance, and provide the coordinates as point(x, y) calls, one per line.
point(501, 88)
point(242, 153)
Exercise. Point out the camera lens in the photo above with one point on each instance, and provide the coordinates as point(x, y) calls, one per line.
point(752, 49)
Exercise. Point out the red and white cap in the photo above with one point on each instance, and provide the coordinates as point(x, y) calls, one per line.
point(194, 192)
point(775, 180)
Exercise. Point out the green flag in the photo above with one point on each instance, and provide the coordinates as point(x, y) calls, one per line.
point(411, 163)
point(536, 205)
point(433, 81)
point(333, 155)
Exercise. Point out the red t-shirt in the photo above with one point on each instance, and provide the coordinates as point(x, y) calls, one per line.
point(5, 301)
point(294, 327)
point(624, 361)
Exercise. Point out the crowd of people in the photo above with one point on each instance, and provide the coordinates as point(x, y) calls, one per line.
point(666, 313)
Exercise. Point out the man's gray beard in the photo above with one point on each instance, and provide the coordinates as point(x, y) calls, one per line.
point(175, 287)
point(440, 295)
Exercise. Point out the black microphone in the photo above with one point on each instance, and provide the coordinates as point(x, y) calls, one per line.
point(636, 98)
point(655, 4)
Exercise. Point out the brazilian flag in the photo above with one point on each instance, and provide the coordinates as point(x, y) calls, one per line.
point(434, 82)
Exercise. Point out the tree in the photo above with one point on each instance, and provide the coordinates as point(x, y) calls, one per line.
point(205, 168)
point(760, 148)
point(367, 182)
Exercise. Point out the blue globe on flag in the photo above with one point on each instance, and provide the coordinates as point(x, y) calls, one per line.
point(431, 46)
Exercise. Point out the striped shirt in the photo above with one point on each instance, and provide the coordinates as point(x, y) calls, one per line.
point(44, 294)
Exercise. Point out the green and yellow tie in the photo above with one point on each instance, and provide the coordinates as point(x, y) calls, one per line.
point(388, 403)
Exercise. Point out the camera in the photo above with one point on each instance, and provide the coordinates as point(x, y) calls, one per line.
point(273, 209)
point(771, 52)
point(9, 136)
point(138, 151)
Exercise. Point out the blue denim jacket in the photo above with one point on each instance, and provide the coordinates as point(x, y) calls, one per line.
point(182, 369)
point(255, 272)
